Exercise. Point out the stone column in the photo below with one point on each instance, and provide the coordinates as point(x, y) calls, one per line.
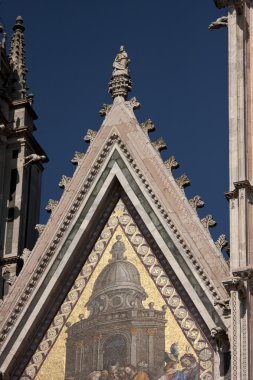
point(151, 359)
point(134, 333)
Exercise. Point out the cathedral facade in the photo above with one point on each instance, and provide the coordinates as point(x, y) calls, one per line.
point(124, 281)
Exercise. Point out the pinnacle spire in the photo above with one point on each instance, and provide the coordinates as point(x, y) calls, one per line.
point(120, 83)
point(17, 58)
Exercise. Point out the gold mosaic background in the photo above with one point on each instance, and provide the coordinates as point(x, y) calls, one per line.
point(53, 367)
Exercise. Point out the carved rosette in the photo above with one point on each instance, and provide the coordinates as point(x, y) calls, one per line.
point(78, 156)
point(159, 144)
point(171, 163)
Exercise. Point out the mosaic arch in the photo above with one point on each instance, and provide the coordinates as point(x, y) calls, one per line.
point(122, 318)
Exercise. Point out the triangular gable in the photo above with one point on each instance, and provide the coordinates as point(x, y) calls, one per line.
point(120, 162)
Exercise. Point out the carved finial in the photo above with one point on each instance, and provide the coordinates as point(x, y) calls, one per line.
point(51, 205)
point(221, 242)
point(196, 202)
point(40, 228)
point(183, 181)
point(148, 126)
point(159, 144)
point(221, 22)
point(133, 103)
point(64, 181)
point(105, 109)
point(17, 59)
point(78, 156)
point(208, 221)
point(171, 163)
point(120, 83)
point(90, 135)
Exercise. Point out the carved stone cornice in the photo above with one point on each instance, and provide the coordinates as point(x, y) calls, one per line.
point(225, 3)
point(235, 284)
point(239, 185)
point(244, 273)
point(8, 260)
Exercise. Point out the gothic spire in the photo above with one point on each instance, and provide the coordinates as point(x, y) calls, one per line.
point(120, 83)
point(17, 58)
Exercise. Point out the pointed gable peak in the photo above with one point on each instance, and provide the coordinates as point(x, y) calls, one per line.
point(17, 58)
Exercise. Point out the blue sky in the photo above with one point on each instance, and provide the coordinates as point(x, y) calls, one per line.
point(179, 74)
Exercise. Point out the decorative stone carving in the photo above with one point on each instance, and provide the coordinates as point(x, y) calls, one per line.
point(9, 274)
point(208, 222)
point(171, 163)
point(64, 181)
point(120, 83)
point(34, 158)
point(78, 156)
point(235, 284)
point(25, 255)
point(239, 185)
point(52, 204)
point(196, 202)
point(133, 103)
point(148, 126)
point(221, 242)
point(90, 136)
point(245, 273)
point(159, 144)
point(183, 181)
point(221, 338)
point(225, 306)
point(224, 3)
point(105, 109)
point(221, 22)
point(40, 228)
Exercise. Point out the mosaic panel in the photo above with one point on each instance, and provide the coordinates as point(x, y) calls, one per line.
point(122, 318)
